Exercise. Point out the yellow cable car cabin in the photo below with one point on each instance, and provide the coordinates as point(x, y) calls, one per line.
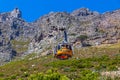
point(64, 50)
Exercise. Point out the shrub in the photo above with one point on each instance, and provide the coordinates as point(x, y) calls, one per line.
point(20, 79)
point(112, 68)
point(72, 69)
point(6, 79)
point(1, 74)
point(13, 77)
point(89, 75)
point(82, 37)
point(105, 58)
point(50, 75)
point(23, 69)
point(25, 74)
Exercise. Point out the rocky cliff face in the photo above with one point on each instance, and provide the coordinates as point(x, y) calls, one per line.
point(13, 28)
point(88, 27)
point(97, 28)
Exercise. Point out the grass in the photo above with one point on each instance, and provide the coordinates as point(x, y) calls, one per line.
point(86, 64)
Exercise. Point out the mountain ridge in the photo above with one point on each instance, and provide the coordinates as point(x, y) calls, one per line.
point(39, 35)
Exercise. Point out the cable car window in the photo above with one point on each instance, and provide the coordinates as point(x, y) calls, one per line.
point(58, 47)
point(70, 47)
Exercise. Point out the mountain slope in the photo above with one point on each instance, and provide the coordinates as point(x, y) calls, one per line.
point(87, 63)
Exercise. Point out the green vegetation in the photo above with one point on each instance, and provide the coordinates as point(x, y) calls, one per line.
point(82, 37)
point(85, 23)
point(20, 46)
point(51, 74)
point(86, 64)
point(15, 42)
point(91, 66)
point(101, 31)
point(72, 34)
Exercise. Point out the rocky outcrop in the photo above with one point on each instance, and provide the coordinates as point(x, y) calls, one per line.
point(16, 13)
point(14, 28)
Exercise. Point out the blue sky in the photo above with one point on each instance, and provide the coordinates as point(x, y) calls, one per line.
point(33, 9)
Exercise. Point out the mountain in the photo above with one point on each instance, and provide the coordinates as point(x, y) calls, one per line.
point(90, 28)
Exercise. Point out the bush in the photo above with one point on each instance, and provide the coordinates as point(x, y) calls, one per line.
point(88, 75)
point(1, 74)
point(24, 69)
point(13, 77)
point(82, 37)
point(50, 75)
point(112, 68)
point(72, 69)
point(105, 58)
point(25, 74)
